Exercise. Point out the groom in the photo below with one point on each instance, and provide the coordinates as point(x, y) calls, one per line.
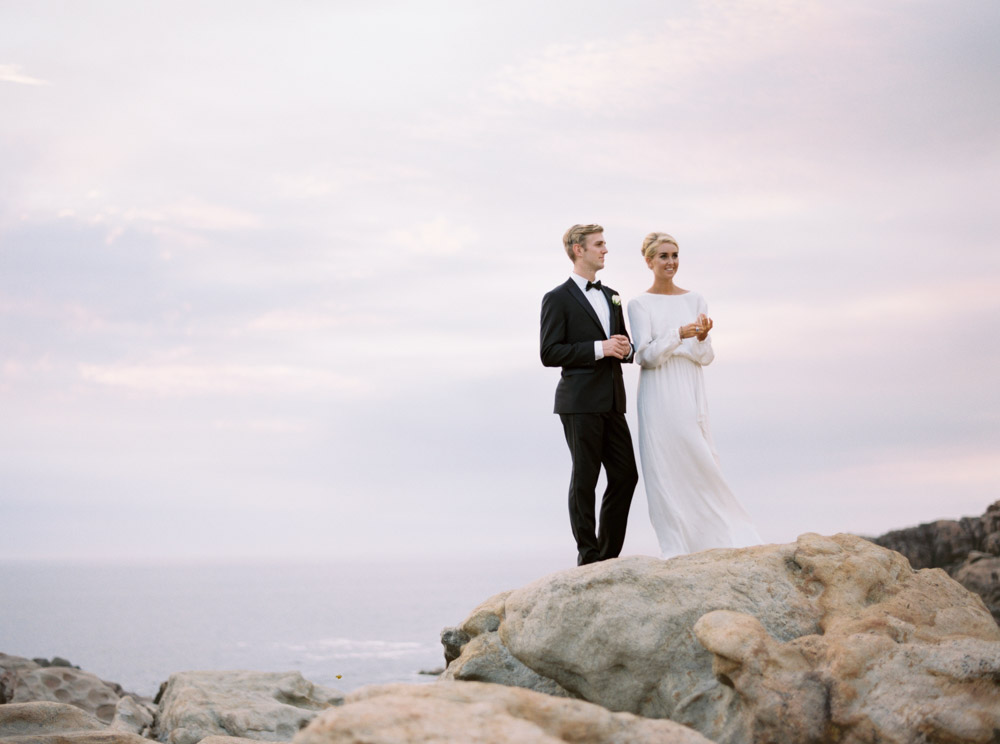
point(583, 331)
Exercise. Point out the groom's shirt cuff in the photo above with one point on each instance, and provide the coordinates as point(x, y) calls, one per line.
point(598, 351)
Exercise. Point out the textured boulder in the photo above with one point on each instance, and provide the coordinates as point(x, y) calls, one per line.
point(57, 723)
point(133, 715)
point(253, 705)
point(474, 713)
point(825, 639)
point(959, 547)
point(980, 573)
point(26, 681)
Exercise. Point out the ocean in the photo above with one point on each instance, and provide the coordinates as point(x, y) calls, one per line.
point(342, 625)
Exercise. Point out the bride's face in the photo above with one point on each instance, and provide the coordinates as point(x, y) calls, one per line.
point(665, 261)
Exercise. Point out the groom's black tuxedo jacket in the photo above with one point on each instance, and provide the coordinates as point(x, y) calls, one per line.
point(569, 329)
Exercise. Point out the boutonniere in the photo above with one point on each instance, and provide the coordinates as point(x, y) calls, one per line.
point(616, 300)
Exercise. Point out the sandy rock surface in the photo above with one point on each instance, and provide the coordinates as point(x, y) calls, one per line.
point(474, 713)
point(57, 723)
point(254, 705)
point(825, 639)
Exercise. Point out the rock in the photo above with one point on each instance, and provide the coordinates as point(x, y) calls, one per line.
point(57, 723)
point(489, 660)
point(9, 666)
point(19, 719)
point(254, 705)
point(10, 663)
point(474, 713)
point(951, 545)
point(56, 661)
point(453, 640)
point(825, 639)
point(133, 715)
point(980, 573)
point(60, 684)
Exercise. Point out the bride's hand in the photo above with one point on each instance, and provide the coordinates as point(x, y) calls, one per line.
point(706, 325)
point(699, 329)
point(690, 330)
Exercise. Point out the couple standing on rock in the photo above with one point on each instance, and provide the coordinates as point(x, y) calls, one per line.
point(583, 331)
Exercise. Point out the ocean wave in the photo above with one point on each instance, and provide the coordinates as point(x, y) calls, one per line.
point(349, 648)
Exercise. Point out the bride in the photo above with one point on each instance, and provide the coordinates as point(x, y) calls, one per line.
point(690, 504)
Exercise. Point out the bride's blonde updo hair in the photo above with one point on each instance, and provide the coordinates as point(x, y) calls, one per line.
point(654, 240)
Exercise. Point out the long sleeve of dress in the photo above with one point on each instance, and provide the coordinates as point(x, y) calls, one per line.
point(650, 352)
point(700, 351)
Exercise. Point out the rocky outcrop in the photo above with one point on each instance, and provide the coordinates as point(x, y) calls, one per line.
point(968, 549)
point(26, 680)
point(477, 713)
point(254, 705)
point(57, 723)
point(825, 639)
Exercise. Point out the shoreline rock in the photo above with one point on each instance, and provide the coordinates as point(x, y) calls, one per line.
point(266, 706)
point(481, 713)
point(46, 722)
point(37, 680)
point(967, 548)
point(825, 639)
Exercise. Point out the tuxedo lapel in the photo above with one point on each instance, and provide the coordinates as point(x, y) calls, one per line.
point(613, 322)
point(578, 295)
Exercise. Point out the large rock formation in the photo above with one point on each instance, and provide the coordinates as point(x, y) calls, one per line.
point(825, 639)
point(968, 549)
point(26, 681)
point(474, 713)
point(253, 705)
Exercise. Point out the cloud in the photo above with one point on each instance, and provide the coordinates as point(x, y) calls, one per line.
point(856, 324)
point(299, 320)
point(12, 74)
point(262, 426)
point(183, 380)
point(193, 216)
point(940, 469)
point(646, 70)
point(439, 237)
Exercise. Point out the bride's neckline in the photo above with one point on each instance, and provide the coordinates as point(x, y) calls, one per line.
point(672, 294)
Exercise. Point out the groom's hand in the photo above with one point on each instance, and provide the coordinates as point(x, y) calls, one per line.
point(617, 346)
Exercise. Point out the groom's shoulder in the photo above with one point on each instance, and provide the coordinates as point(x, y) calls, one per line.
point(561, 289)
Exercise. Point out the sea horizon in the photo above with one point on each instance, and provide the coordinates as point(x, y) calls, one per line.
point(342, 624)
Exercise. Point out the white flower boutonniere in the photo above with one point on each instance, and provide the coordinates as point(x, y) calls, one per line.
point(616, 300)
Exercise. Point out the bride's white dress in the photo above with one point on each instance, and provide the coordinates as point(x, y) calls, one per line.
point(690, 504)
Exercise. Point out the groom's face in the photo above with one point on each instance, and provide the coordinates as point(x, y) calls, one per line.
point(590, 255)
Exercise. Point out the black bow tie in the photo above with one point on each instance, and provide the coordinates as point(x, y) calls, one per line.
point(595, 285)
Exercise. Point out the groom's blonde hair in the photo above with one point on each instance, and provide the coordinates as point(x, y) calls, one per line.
point(577, 234)
point(654, 240)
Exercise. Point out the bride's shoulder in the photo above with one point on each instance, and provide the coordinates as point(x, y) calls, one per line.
point(639, 300)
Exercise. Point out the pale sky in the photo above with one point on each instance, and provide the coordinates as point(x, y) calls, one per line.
point(270, 272)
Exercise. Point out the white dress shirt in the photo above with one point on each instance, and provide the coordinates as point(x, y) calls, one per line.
point(600, 302)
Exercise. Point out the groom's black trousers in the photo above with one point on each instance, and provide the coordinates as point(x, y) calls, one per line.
point(597, 439)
